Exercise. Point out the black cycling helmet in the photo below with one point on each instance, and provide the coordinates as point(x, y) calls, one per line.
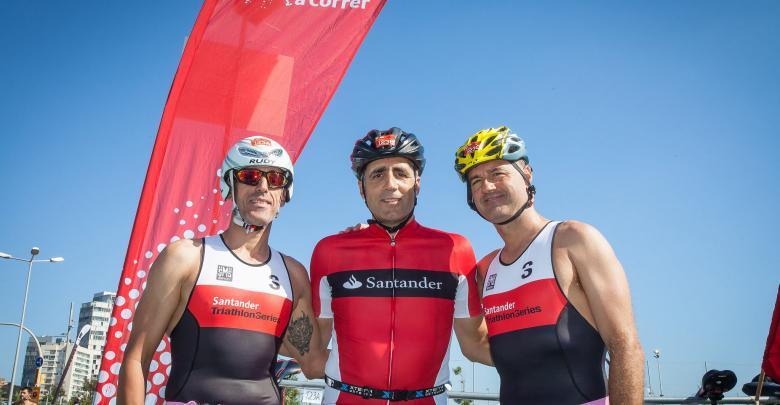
point(383, 144)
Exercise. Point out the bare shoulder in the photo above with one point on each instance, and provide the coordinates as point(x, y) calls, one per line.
point(180, 258)
point(297, 271)
point(578, 236)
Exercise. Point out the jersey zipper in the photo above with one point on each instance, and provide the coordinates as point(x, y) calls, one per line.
point(392, 314)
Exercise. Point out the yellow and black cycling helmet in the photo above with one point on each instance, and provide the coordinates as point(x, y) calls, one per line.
point(489, 144)
point(493, 144)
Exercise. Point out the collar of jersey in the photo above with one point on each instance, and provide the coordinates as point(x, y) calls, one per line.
point(379, 231)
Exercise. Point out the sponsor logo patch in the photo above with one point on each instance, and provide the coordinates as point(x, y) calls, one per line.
point(340, 4)
point(395, 283)
point(352, 283)
point(384, 141)
point(491, 282)
point(260, 141)
point(471, 148)
point(224, 273)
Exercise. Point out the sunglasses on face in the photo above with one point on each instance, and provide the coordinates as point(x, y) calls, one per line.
point(252, 177)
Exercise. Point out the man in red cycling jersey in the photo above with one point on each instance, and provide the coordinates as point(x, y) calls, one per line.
point(555, 297)
point(388, 293)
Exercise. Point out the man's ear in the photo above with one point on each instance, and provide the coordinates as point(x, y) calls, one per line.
point(417, 185)
point(360, 189)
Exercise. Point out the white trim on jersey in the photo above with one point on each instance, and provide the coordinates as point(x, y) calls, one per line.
point(509, 277)
point(325, 299)
point(222, 268)
point(462, 299)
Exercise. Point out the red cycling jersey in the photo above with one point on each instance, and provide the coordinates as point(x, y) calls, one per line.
point(392, 301)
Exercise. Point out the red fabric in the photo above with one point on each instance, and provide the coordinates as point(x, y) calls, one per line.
point(259, 318)
point(771, 363)
point(250, 67)
point(393, 338)
point(537, 303)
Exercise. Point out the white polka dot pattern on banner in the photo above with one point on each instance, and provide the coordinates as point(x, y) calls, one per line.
point(189, 234)
point(128, 280)
point(153, 365)
point(188, 203)
point(109, 390)
point(112, 401)
point(120, 300)
point(141, 274)
point(214, 191)
point(126, 313)
point(103, 376)
point(97, 399)
point(151, 399)
point(176, 210)
point(162, 392)
point(148, 386)
point(148, 254)
point(134, 293)
point(160, 247)
point(182, 222)
point(113, 321)
point(130, 326)
point(174, 238)
point(118, 334)
point(168, 370)
point(123, 347)
point(115, 368)
point(161, 346)
point(110, 355)
point(201, 228)
point(165, 358)
point(158, 378)
point(143, 286)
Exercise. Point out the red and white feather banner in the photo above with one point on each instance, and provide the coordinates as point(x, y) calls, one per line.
point(250, 67)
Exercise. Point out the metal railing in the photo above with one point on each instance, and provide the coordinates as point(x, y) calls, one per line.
point(494, 396)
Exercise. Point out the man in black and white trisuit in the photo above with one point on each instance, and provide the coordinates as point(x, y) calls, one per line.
point(229, 303)
point(555, 297)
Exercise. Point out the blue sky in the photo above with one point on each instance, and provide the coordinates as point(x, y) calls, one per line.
point(655, 121)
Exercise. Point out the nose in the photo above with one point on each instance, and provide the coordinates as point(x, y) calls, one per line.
point(391, 182)
point(262, 185)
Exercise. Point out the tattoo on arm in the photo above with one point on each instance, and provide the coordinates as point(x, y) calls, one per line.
point(299, 333)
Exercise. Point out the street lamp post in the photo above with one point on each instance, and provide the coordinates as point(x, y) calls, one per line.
point(657, 355)
point(33, 252)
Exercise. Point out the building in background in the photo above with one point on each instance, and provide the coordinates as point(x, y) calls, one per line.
point(97, 314)
point(56, 349)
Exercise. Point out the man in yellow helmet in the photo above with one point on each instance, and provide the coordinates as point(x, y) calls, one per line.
point(555, 297)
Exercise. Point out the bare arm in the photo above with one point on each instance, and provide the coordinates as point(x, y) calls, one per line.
point(154, 316)
point(472, 337)
point(302, 339)
point(606, 288)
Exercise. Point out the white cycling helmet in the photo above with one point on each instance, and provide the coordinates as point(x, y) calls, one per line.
point(254, 151)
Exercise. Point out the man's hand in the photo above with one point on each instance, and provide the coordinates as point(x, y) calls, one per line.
point(353, 228)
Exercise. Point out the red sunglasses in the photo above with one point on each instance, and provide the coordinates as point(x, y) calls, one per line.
point(251, 177)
